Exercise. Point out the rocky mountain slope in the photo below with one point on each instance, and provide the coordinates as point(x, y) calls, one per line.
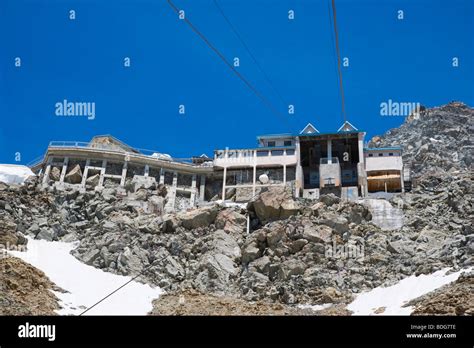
point(25, 290)
point(456, 298)
point(438, 140)
point(296, 251)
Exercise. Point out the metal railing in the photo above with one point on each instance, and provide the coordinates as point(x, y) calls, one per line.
point(119, 149)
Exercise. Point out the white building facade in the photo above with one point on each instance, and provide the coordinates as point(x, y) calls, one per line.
point(309, 164)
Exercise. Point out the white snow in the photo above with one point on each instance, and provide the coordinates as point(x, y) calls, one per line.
point(85, 284)
point(161, 156)
point(394, 297)
point(14, 174)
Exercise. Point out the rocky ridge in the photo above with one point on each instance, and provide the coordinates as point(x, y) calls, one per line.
point(296, 251)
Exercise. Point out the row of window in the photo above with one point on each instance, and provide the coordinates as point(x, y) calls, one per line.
point(285, 143)
point(380, 154)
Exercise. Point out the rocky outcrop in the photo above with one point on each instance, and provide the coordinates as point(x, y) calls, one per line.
point(438, 140)
point(456, 298)
point(25, 290)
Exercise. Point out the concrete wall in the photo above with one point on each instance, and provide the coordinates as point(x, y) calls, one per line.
point(383, 163)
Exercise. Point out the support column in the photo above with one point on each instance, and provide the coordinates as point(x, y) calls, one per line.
point(402, 181)
point(202, 188)
point(329, 148)
point(64, 169)
point(193, 191)
point(86, 171)
point(284, 175)
point(124, 174)
point(47, 171)
point(102, 173)
point(361, 148)
point(162, 176)
point(299, 177)
point(147, 170)
point(254, 180)
point(224, 177)
point(172, 197)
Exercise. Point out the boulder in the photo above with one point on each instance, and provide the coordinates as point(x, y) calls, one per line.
point(90, 256)
point(291, 268)
point(156, 204)
point(196, 218)
point(260, 265)
point(226, 245)
point(250, 253)
point(170, 223)
point(276, 203)
point(231, 221)
point(55, 174)
point(329, 199)
point(93, 180)
point(45, 234)
point(318, 233)
point(336, 222)
point(143, 182)
point(275, 236)
point(74, 176)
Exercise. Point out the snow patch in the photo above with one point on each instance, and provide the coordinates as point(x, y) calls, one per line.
point(14, 174)
point(85, 284)
point(389, 300)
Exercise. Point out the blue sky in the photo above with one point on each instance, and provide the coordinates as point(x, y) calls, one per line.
point(81, 60)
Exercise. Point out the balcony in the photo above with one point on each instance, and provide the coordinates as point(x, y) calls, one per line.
point(262, 156)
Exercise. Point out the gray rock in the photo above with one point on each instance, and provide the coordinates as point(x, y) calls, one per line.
point(200, 217)
point(54, 174)
point(45, 234)
point(274, 204)
point(74, 176)
point(90, 256)
point(329, 199)
point(250, 253)
point(337, 223)
point(318, 233)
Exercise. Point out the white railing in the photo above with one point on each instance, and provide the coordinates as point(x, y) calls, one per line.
point(258, 156)
point(117, 149)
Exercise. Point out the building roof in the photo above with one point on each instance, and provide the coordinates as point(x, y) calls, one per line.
point(340, 134)
point(382, 148)
point(347, 127)
point(273, 136)
point(309, 129)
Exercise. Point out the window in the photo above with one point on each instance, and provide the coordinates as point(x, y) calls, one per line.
point(271, 144)
point(287, 143)
point(277, 152)
point(380, 154)
point(390, 153)
point(290, 152)
point(371, 155)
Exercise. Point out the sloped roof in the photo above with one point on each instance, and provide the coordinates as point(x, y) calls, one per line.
point(347, 127)
point(309, 129)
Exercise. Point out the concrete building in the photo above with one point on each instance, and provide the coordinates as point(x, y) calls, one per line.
point(309, 163)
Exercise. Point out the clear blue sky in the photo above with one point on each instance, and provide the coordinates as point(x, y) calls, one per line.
point(82, 60)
